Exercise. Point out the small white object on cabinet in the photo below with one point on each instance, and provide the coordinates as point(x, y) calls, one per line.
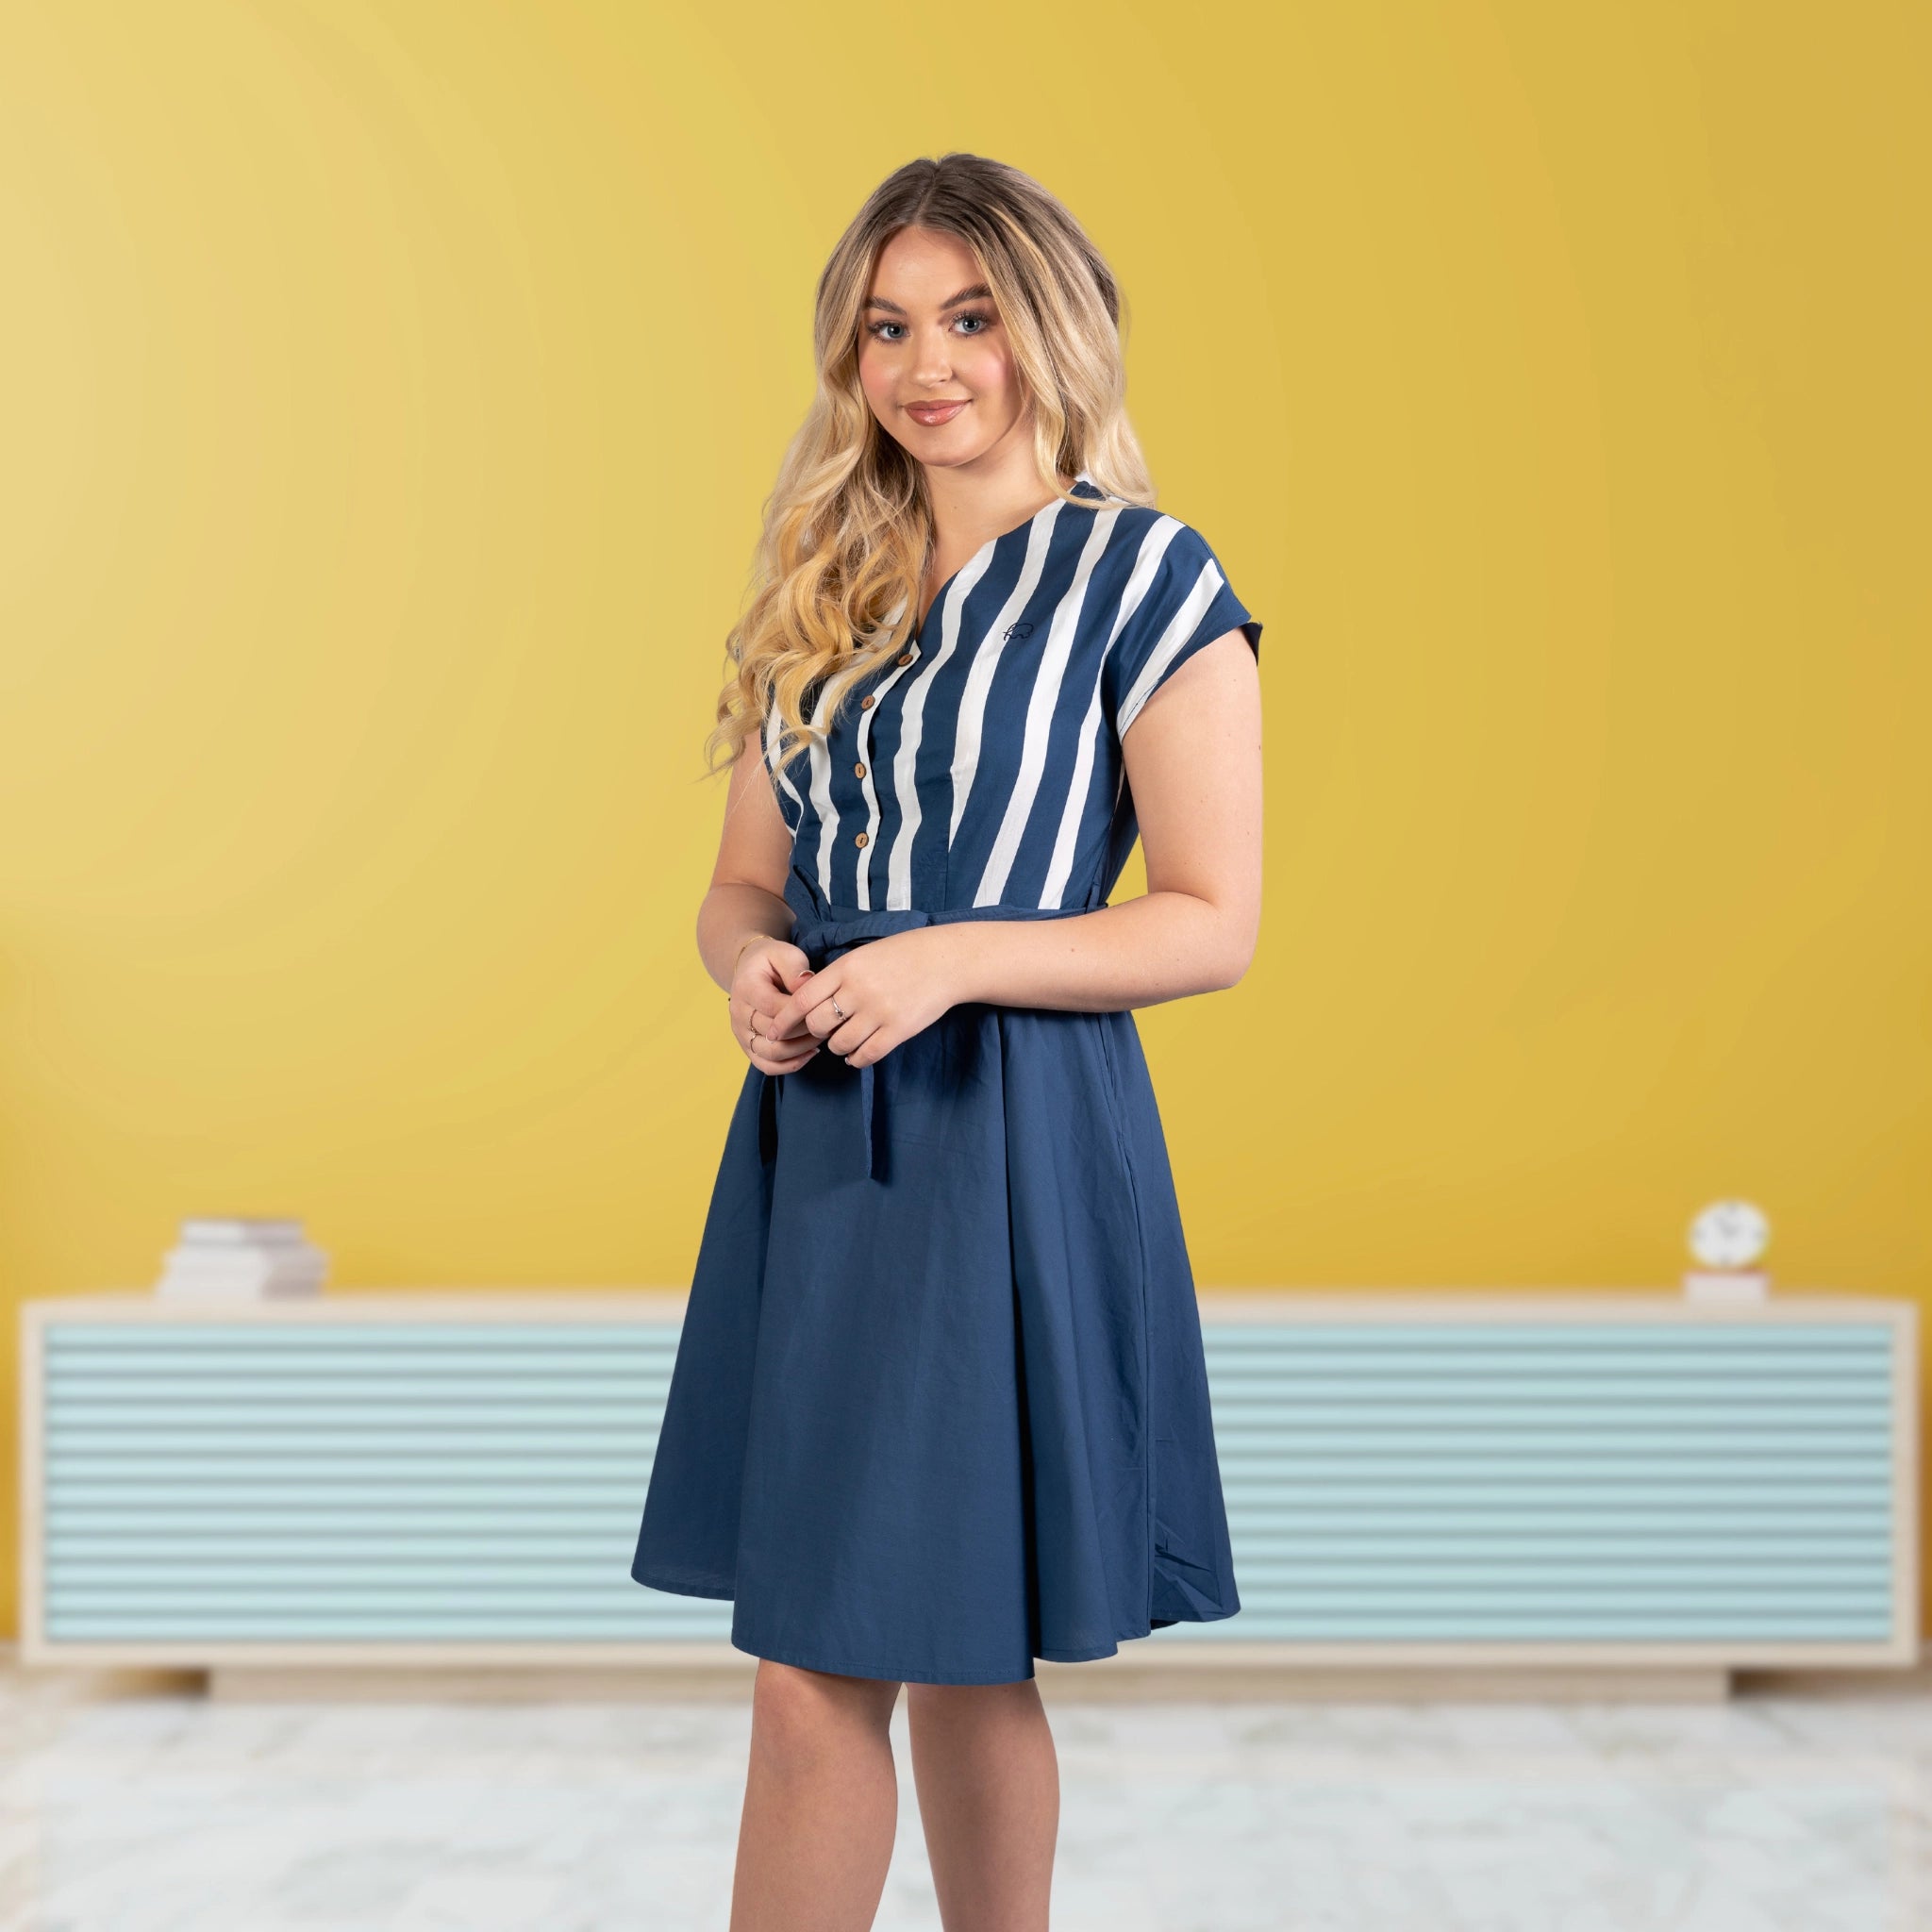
point(240, 1259)
point(1727, 1237)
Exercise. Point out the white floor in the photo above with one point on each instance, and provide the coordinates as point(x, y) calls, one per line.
point(1775, 1814)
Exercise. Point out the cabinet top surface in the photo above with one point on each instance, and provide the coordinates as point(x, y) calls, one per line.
point(1220, 1305)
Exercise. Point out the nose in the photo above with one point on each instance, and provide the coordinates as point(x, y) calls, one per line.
point(934, 361)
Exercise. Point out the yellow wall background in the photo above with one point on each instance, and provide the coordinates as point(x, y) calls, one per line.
point(387, 395)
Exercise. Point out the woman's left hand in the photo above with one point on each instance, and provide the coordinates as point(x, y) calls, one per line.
point(869, 1000)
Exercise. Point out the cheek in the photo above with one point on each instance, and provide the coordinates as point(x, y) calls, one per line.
point(984, 365)
point(876, 375)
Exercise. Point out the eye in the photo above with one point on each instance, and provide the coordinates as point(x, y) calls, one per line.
point(877, 331)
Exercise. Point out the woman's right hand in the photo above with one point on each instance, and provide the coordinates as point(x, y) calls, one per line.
point(768, 973)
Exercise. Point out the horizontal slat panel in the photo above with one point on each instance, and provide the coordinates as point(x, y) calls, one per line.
point(1292, 1623)
point(375, 1429)
point(1770, 1453)
point(1447, 1464)
point(1538, 1516)
point(86, 1403)
point(1741, 1389)
point(1417, 1336)
point(158, 1392)
point(565, 1598)
point(1378, 1346)
point(349, 1542)
point(441, 1339)
point(1350, 1487)
point(427, 1601)
point(1401, 1482)
point(320, 1539)
point(454, 1626)
point(372, 1571)
point(267, 1463)
point(1699, 1439)
point(537, 1491)
point(370, 1580)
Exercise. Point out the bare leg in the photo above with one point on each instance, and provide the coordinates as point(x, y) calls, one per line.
point(989, 1788)
point(820, 1803)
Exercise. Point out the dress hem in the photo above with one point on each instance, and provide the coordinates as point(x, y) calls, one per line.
point(998, 1675)
point(661, 1582)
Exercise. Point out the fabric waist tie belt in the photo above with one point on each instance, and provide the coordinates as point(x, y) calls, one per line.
point(825, 930)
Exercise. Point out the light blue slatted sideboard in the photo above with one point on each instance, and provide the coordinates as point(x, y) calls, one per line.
point(1426, 1478)
point(457, 1470)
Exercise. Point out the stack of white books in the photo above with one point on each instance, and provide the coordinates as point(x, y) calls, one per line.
point(241, 1260)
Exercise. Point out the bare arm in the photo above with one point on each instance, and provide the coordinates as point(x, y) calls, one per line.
point(746, 897)
point(1194, 764)
point(745, 923)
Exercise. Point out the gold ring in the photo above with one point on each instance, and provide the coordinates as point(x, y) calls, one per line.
point(836, 1007)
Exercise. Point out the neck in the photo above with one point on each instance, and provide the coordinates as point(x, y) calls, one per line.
point(986, 497)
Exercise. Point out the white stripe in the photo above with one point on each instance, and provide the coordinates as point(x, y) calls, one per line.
point(821, 798)
point(785, 784)
point(1042, 706)
point(821, 760)
point(1178, 633)
point(863, 891)
point(985, 661)
point(1159, 534)
point(911, 727)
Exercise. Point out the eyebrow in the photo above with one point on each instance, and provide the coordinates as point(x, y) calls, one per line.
point(977, 293)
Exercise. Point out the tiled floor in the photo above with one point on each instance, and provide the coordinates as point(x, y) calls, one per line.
point(1775, 1814)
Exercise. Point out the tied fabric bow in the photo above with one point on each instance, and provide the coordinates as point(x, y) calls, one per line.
point(825, 930)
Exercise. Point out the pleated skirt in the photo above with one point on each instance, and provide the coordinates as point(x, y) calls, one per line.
point(940, 1405)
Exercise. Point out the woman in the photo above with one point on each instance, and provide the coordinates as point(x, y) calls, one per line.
point(939, 1404)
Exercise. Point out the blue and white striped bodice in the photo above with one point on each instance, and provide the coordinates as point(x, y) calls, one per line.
point(982, 765)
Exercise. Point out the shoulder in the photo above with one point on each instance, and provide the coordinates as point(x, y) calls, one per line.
point(1177, 603)
point(1173, 563)
point(1158, 537)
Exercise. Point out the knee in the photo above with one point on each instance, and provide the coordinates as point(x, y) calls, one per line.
point(972, 1703)
point(801, 1717)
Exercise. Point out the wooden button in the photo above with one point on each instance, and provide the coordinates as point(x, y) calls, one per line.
point(904, 658)
point(865, 703)
point(858, 837)
point(858, 771)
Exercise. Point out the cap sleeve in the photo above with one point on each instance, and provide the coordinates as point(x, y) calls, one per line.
point(1186, 603)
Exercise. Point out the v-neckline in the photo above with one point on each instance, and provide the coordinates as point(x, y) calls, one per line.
point(1024, 523)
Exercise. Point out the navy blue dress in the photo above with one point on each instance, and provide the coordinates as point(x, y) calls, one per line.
point(940, 1405)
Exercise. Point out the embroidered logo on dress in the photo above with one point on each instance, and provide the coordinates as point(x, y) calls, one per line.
point(1017, 630)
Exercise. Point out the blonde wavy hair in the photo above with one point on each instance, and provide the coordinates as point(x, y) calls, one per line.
point(841, 564)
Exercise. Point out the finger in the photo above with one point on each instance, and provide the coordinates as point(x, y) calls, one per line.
point(823, 1020)
point(850, 1035)
point(791, 968)
point(874, 1047)
point(819, 1005)
point(781, 1019)
point(773, 1058)
point(790, 1011)
point(789, 1042)
point(782, 1063)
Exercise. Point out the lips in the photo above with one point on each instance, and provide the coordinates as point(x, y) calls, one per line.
point(931, 413)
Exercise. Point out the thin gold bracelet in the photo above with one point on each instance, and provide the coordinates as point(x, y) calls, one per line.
point(740, 953)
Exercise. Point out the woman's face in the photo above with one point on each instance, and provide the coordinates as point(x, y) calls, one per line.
point(929, 335)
